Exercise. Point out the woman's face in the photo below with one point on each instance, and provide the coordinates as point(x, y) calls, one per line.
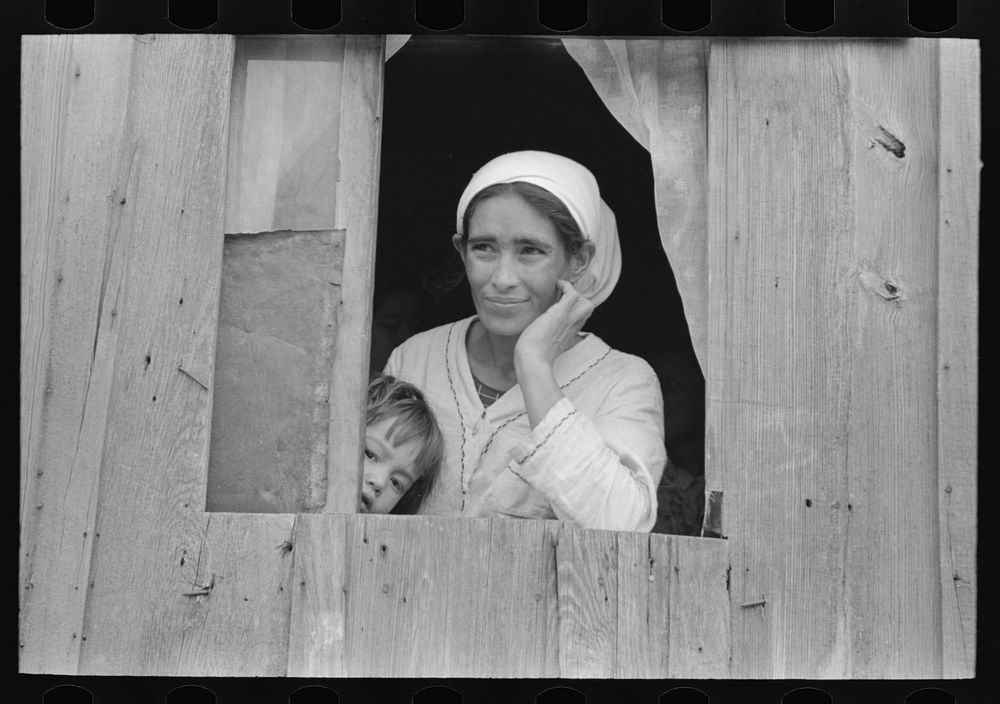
point(513, 259)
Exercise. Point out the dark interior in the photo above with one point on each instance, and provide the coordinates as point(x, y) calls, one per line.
point(453, 103)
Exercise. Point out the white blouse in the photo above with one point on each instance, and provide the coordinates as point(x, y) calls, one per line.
point(594, 460)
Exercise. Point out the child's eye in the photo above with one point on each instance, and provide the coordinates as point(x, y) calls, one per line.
point(370, 455)
point(396, 484)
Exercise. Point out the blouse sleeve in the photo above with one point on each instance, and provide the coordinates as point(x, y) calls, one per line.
point(394, 364)
point(602, 471)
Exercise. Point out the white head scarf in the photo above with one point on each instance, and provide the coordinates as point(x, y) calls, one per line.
point(576, 187)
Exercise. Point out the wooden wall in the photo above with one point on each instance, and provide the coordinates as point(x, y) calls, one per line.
point(428, 597)
point(842, 248)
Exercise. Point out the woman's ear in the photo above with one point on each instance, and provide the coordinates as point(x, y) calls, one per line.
point(581, 260)
point(456, 241)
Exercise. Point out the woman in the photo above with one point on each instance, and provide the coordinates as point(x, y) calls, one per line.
point(539, 420)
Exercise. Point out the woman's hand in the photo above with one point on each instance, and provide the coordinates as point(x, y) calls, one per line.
point(548, 336)
point(555, 330)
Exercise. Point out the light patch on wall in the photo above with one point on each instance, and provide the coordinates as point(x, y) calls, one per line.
point(277, 330)
point(283, 147)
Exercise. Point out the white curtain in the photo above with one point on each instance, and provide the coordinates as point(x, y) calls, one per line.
point(656, 88)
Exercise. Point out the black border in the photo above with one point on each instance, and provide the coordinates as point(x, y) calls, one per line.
point(979, 19)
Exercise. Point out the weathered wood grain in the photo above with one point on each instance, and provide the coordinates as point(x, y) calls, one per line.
point(240, 627)
point(453, 622)
point(775, 401)
point(319, 594)
point(699, 613)
point(416, 596)
point(357, 207)
point(673, 607)
point(892, 557)
point(160, 207)
point(388, 585)
point(284, 142)
point(821, 381)
point(520, 633)
point(958, 304)
point(645, 621)
point(74, 91)
point(587, 593)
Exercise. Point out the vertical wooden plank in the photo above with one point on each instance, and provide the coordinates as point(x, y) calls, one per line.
point(645, 619)
point(156, 302)
point(240, 627)
point(444, 598)
point(587, 588)
point(284, 134)
point(958, 302)
point(388, 584)
point(673, 607)
point(821, 363)
point(698, 578)
point(892, 551)
point(357, 203)
point(455, 626)
point(776, 403)
point(416, 601)
point(73, 95)
point(519, 636)
point(316, 627)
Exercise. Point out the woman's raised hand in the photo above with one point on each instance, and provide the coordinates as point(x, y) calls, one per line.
point(555, 330)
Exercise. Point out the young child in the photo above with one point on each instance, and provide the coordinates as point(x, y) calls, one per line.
point(403, 448)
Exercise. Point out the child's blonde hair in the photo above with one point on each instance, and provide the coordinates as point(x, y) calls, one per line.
point(388, 397)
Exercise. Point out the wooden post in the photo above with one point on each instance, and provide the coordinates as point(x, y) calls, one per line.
point(357, 203)
point(823, 379)
point(958, 304)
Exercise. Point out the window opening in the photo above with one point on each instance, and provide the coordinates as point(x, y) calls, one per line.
point(453, 103)
point(281, 275)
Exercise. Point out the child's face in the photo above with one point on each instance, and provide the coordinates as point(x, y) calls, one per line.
point(389, 469)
